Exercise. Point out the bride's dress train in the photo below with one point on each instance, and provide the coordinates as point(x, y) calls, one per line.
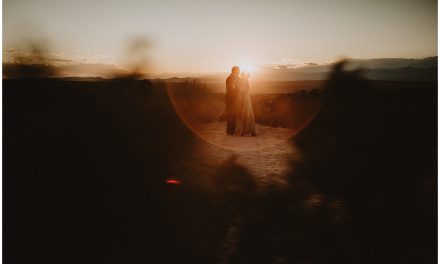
point(245, 122)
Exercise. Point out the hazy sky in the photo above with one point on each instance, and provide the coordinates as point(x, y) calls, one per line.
point(206, 36)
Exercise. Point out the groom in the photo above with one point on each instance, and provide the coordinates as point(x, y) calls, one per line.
point(231, 98)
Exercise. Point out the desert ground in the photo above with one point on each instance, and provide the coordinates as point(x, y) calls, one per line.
point(130, 171)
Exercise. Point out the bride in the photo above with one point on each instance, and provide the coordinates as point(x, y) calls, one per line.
point(245, 122)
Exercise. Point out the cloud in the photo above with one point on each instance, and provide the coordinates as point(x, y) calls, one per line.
point(91, 69)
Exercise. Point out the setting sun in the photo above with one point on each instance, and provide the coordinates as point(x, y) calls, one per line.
point(247, 68)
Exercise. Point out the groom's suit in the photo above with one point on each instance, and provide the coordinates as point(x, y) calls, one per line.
point(230, 100)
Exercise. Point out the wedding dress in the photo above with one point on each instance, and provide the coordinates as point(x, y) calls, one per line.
point(245, 122)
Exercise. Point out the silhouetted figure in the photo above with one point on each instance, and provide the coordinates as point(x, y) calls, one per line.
point(245, 120)
point(231, 99)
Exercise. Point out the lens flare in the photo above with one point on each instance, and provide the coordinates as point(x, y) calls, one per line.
point(172, 181)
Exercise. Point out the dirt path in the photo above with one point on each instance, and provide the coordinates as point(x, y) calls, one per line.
point(265, 156)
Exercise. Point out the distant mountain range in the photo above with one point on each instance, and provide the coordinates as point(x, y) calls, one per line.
point(395, 63)
point(388, 69)
point(393, 69)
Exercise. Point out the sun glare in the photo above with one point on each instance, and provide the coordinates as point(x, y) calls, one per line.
point(247, 68)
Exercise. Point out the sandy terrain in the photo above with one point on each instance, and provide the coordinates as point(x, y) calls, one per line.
point(266, 156)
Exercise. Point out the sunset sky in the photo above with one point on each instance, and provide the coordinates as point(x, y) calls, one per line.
point(210, 36)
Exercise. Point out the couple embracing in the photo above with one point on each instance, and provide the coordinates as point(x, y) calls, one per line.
point(239, 113)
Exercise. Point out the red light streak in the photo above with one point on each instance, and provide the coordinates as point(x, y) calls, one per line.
point(171, 181)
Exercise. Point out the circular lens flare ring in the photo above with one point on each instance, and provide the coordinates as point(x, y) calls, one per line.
point(214, 133)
